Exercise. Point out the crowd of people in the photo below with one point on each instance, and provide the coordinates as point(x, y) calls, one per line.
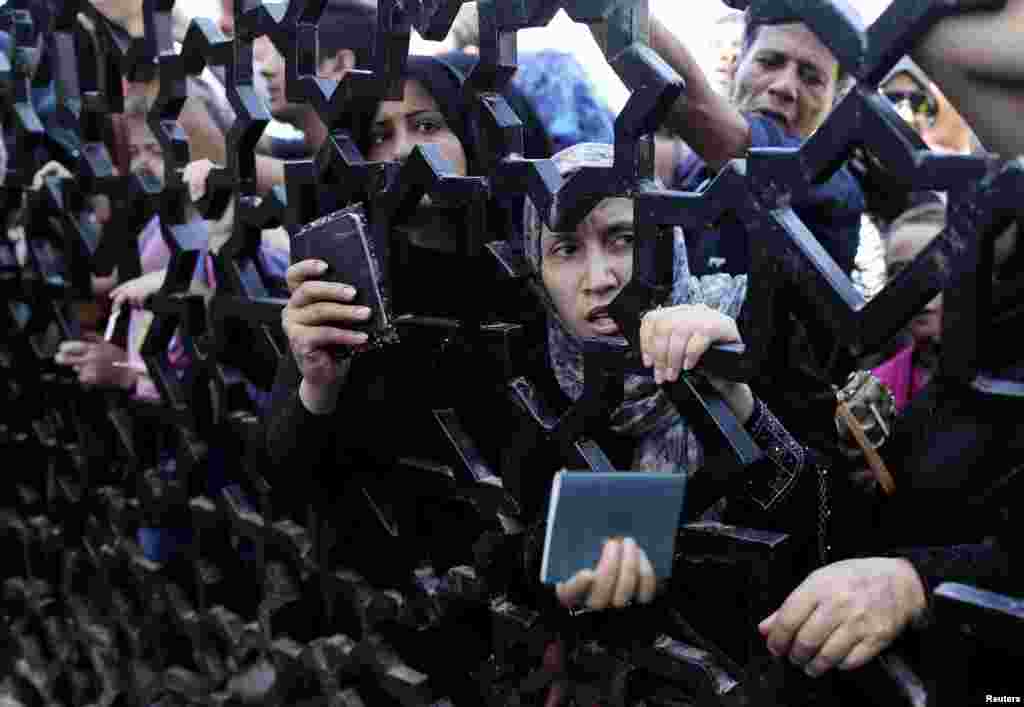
point(959, 89)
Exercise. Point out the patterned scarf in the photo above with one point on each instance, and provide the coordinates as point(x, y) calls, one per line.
point(665, 441)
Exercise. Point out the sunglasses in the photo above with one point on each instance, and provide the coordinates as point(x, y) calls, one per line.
point(920, 102)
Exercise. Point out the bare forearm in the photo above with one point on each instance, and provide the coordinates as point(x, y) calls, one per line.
point(269, 172)
point(707, 121)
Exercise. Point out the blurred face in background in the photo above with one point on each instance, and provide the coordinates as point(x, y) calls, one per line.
point(271, 66)
point(904, 243)
point(914, 102)
point(145, 153)
point(789, 75)
point(930, 113)
point(725, 52)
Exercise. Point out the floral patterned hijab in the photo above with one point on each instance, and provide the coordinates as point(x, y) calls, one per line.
point(665, 441)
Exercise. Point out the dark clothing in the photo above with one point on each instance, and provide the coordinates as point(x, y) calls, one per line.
point(290, 148)
point(831, 211)
point(537, 143)
point(956, 453)
point(384, 419)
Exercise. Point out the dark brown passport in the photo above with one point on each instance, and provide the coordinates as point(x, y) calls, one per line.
point(341, 239)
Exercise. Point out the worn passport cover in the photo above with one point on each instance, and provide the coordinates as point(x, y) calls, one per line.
point(341, 239)
point(588, 507)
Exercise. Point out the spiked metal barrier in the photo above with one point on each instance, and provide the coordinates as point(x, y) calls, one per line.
point(258, 608)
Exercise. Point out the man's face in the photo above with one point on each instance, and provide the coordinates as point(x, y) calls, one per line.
point(147, 157)
point(789, 75)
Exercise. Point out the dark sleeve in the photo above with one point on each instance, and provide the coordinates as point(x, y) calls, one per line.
point(289, 148)
point(831, 210)
point(787, 494)
point(987, 566)
point(298, 442)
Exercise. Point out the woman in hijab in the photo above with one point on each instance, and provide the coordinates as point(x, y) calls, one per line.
point(581, 272)
point(350, 423)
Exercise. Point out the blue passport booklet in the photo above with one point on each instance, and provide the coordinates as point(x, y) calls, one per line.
point(588, 507)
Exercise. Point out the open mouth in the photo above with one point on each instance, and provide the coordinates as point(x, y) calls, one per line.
point(780, 118)
point(601, 322)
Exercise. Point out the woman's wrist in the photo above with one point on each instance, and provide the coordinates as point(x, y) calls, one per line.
point(740, 399)
point(319, 399)
point(915, 593)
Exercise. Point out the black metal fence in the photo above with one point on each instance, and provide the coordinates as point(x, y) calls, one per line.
point(252, 609)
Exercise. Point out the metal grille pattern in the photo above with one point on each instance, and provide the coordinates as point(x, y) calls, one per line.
point(93, 621)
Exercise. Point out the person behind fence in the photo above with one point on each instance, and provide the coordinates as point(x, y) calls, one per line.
point(582, 271)
point(785, 84)
point(206, 115)
point(910, 369)
point(844, 614)
point(345, 35)
point(340, 421)
point(101, 363)
point(925, 107)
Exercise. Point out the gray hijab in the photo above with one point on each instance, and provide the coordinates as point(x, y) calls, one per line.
point(665, 441)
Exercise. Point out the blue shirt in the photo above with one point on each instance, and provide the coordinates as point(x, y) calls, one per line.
point(831, 211)
point(565, 99)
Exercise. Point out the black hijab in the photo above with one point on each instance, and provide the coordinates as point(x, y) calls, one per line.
point(444, 84)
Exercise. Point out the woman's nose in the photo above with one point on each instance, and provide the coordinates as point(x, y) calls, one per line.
point(601, 273)
point(401, 145)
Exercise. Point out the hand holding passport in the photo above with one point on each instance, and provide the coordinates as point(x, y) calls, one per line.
point(610, 536)
point(337, 306)
point(341, 240)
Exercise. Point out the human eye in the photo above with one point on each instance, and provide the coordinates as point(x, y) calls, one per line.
point(623, 238)
point(811, 76)
point(428, 124)
point(564, 247)
point(771, 60)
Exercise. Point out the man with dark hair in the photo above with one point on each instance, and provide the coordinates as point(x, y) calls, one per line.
point(786, 82)
point(822, 77)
